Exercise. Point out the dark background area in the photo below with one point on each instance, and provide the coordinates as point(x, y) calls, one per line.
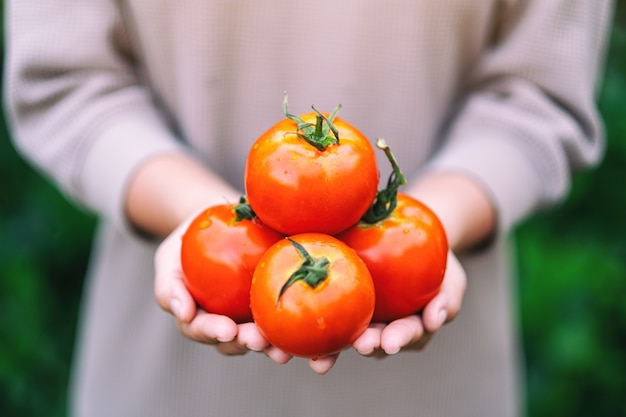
point(572, 280)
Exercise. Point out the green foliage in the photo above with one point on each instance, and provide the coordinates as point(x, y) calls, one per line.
point(572, 268)
point(44, 245)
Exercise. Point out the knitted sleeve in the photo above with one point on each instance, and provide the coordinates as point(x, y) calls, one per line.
point(74, 101)
point(528, 120)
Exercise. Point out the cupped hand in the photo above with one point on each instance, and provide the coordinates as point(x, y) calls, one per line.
point(412, 332)
point(415, 331)
point(194, 323)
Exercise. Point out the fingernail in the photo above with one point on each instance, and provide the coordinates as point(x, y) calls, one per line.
point(443, 315)
point(175, 307)
point(253, 348)
point(393, 350)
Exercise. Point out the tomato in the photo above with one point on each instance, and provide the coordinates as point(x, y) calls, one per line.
point(405, 248)
point(220, 249)
point(311, 173)
point(311, 295)
point(406, 253)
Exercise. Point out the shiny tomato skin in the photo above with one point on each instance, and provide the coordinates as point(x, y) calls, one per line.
point(406, 253)
point(312, 322)
point(218, 257)
point(295, 188)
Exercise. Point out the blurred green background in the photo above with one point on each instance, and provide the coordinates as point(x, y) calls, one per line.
point(572, 280)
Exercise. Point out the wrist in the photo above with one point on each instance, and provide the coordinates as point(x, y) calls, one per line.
point(461, 203)
point(168, 188)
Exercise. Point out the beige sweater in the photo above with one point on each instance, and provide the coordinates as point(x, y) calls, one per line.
point(502, 90)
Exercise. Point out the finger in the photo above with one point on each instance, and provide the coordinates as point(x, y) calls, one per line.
point(250, 337)
point(277, 355)
point(169, 289)
point(232, 348)
point(401, 333)
point(445, 306)
point(322, 365)
point(369, 342)
point(209, 328)
point(181, 303)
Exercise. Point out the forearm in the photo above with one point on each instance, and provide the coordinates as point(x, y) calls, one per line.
point(462, 205)
point(168, 188)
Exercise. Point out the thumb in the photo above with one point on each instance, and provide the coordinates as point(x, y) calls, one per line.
point(169, 288)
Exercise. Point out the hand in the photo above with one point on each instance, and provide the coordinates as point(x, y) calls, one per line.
point(194, 323)
point(415, 331)
point(412, 332)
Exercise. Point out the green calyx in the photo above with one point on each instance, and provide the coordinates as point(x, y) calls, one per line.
point(312, 271)
point(386, 199)
point(317, 134)
point(243, 210)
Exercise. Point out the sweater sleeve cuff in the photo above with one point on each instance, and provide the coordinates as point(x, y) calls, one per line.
point(509, 178)
point(129, 139)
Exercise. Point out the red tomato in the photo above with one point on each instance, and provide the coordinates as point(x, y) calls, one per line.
point(313, 173)
point(311, 295)
point(406, 253)
point(219, 253)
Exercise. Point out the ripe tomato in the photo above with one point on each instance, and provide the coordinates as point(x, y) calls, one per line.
point(313, 173)
point(404, 246)
point(406, 253)
point(311, 295)
point(219, 252)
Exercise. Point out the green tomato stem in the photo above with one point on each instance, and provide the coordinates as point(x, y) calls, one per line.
point(318, 134)
point(243, 210)
point(386, 199)
point(312, 271)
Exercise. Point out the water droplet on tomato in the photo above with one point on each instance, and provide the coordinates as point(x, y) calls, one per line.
point(204, 224)
point(321, 323)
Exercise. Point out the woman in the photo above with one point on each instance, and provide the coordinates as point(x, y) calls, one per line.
point(143, 111)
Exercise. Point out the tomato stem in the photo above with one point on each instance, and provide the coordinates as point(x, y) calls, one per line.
point(318, 134)
point(312, 271)
point(386, 199)
point(243, 210)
